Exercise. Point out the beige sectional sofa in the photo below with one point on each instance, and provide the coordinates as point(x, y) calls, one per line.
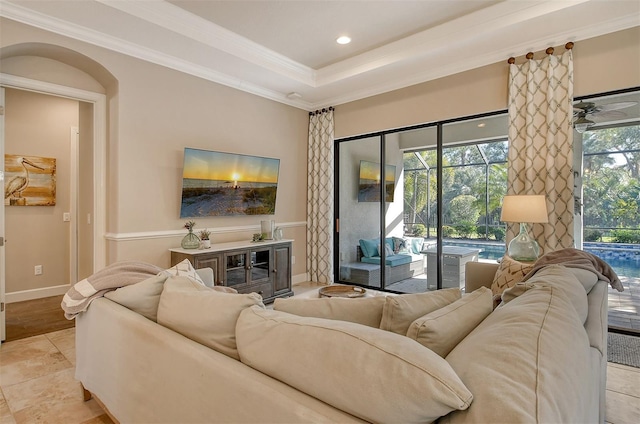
point(442, 356)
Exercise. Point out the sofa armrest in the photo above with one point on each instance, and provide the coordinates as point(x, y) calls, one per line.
point(206, 274)
point(479, 274)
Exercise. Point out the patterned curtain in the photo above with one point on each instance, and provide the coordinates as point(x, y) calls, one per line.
point(320, 197)
point(540, 158)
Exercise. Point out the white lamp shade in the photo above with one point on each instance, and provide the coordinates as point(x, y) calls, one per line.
point(525, 208)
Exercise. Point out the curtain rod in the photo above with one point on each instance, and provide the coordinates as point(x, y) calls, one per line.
point(324, 110)
point(549, 50)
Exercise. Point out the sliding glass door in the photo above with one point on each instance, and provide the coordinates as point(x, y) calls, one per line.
point(410, 225)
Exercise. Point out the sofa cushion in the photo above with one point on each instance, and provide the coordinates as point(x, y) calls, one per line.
point(442, 329)
point(554, 276)
point(185, 269)
point(142, 297)
point(392, 260)
point(528, 361)
point(202, 314)
point(365, 310)
point(375, 375)
point(508, 274)
point(400, 311)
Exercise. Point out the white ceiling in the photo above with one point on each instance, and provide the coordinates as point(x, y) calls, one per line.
point(274, 48)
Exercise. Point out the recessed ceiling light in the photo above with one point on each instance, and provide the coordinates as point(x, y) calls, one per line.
point(343, 40)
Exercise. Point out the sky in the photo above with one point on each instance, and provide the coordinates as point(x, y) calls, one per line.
point(209, 165)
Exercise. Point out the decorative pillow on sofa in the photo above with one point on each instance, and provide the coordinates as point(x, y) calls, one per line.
point(509, 273)
point(202, 314)
point(400, 311)
point(365, 310)
point(142, 297)
point(185, 269)
point(442, 329)
point(375, 375)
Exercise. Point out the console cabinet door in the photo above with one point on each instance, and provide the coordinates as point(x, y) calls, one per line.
point(282, 269)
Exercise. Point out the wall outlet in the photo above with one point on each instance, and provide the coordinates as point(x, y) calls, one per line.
point(37, 270)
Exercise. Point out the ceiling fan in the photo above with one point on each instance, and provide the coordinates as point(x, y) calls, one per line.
point(582, 110)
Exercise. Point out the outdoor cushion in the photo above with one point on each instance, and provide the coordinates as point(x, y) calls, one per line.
point(393, 260)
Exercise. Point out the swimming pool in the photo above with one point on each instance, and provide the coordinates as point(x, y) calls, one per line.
point(624, 259)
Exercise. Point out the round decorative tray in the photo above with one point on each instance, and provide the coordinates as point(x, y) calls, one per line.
point(342, 291)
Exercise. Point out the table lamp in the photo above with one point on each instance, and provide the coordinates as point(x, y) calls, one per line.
point(524, 209)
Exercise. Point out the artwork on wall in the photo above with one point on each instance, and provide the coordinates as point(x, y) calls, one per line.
point(29, 181)
point(369, 184)
point(226, 184)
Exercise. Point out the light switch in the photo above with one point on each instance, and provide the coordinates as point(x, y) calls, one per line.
point(66, 217)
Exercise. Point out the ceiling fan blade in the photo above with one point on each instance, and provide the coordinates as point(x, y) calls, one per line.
point(607, 115)
point(615, 106)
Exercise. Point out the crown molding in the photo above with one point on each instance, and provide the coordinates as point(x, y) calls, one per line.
point(173, 18)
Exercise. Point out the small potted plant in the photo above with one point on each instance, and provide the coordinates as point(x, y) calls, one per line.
point(204, 237)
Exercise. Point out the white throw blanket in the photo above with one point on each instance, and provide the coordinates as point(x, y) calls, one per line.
point(119, 274)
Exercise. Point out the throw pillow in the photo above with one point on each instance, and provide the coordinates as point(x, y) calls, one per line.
point(400, 311)
point(372, 374)
point(399, 244)
point(442, 329)
point(142, 297)
point(365, 310)
point(185, 269)
point(204, 315)
point(509, 273)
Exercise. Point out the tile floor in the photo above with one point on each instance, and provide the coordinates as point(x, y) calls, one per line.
point(37, 385)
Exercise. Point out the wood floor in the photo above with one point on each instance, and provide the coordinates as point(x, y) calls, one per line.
point(34, 317)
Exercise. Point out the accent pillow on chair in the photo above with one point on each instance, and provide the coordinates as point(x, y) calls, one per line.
point(509, 273)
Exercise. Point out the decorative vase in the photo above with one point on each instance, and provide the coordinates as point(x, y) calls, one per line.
point(190, 241)
point(206, 244)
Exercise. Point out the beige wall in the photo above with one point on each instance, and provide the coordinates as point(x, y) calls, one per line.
point(39, 125)
point(601, 64)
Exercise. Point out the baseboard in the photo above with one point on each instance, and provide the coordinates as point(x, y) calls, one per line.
point(300, 278)
point(32, 294)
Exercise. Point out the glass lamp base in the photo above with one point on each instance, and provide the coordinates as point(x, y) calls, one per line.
point(523, 247)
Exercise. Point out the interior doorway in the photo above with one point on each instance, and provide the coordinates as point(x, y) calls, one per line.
point(93, 118)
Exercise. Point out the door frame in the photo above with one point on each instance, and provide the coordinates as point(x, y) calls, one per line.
point(99, 102)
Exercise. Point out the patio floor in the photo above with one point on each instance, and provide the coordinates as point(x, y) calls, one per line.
point(624, 307)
